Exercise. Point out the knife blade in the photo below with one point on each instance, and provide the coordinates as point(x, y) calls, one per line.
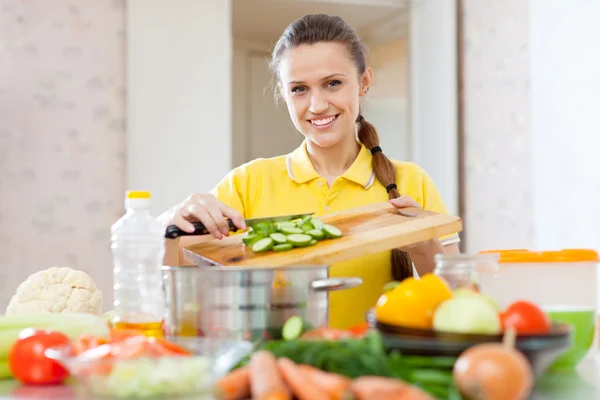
point(173, 231)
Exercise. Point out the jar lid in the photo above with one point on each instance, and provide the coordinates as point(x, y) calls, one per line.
point(527, 256)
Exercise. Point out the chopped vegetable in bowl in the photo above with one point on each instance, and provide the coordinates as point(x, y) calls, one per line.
point(131, 365)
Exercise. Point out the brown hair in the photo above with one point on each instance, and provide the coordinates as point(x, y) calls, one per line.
point(317, 28)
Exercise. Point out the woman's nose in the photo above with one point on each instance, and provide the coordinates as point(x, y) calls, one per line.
point(318, 103)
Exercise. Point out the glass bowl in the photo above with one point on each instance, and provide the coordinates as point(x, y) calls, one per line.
point(101, 375)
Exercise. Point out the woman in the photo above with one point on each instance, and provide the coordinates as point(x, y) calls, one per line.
point(321, 71)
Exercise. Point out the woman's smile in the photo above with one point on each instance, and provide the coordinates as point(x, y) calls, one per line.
point(323, 122)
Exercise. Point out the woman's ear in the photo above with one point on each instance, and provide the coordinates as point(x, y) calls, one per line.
point(367, 79)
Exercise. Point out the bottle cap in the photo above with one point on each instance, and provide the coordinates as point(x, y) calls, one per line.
point(137, 200)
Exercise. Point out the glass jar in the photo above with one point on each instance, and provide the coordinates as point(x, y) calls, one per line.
point(467, 271)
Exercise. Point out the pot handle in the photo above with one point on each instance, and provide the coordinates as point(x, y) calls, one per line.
point(331, 284)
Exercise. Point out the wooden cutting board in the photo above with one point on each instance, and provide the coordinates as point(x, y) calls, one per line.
point(366, 230)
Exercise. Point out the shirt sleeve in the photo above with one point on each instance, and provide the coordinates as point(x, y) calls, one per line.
point(431, 200)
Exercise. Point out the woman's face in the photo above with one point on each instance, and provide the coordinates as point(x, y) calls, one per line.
point(321, 87)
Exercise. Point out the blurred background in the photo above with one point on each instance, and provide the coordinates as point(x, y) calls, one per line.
point(497, 100)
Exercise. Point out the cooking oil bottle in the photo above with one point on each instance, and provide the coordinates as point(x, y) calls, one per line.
point(138, 247)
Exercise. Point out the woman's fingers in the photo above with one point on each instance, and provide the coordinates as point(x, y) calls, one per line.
point(215, 213)
point(404, 201)
point(182, 223)
point(235, 217)
point(197, 211)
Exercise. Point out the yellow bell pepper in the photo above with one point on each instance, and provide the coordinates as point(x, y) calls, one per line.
point(413, 302)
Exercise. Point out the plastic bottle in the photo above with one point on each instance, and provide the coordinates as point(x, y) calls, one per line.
point(138, 248)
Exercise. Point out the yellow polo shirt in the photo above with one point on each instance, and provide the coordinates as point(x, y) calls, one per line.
point(289, 184)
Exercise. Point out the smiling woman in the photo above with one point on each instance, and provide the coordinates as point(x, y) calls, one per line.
point(321, 71)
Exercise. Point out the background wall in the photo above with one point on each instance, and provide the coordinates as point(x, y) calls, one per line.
point(62, 144)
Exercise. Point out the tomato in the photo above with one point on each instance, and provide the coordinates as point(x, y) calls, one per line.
point(360, 329)
point(29, 364)
point(526, 318)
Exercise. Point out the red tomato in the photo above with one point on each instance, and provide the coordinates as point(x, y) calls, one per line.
point(526, 318)
point(360, 329)
point(29, 364)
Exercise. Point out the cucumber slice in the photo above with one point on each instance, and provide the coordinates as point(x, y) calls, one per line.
point(290, 230)
point(313, 242)
point(307, 227)
point(331, 231)
point(292, 329)
point(317, 223)
point(299, 239)
point(316, 234)
point(283, 247)
point(287, 224)
point(278, 238)
point(262, 245)
point(250, 238)
point(264, 229)
point(304, 220)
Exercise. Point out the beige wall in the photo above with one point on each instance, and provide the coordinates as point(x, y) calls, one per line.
point(62, 144)
point(387, 105)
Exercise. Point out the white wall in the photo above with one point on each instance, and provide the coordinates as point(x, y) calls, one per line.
point(386, 105)
point(179, 97)
point(565, 85)
point(433, 98)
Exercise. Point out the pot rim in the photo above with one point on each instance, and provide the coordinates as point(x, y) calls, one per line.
point(238, 269)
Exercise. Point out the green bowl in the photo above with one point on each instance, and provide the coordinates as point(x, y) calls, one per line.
point(583, 323)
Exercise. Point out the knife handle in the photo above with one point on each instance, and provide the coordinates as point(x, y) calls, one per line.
point(173, 231)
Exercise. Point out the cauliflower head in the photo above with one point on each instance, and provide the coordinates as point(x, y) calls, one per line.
point(57, 290)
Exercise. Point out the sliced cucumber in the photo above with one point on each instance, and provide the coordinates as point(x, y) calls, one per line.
point(292, 329)
point(283, 247)
point(299, 239)
point(316, 234)
point(307, 227)
point(287, 224)
point(250, 238)
point(290, 230)
point(313, 242)
point(317, 223)
point(331, 231)
point(278, 238)
point(262, 245)
point(263, 228)
point(304, 220)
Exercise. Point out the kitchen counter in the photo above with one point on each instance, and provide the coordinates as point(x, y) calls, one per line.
point(584, 384)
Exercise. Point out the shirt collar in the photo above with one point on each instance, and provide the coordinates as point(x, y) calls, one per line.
point(300, 169)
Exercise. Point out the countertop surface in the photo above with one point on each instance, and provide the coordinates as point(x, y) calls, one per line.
point(583, 384)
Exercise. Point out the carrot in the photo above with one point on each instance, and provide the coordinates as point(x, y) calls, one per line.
point(380, 388)
point(303, 387)
point(414, 393)
point(337, 386)
point(266, 381)
point(234, 386)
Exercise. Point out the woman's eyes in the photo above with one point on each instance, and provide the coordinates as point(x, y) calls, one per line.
point(302, 89)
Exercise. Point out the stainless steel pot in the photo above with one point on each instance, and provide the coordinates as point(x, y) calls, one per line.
point(245, 302)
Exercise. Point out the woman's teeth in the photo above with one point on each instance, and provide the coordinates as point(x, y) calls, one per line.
point(320, 122)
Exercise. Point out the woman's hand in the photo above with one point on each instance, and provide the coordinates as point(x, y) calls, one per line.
point(206, 209)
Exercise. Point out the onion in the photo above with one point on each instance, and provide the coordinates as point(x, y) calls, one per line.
point(494, 371)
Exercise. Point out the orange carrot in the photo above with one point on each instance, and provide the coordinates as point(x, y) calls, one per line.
point(234, 386)
point(266, 381)
point(337, 386)
point(414, 393)
point(380, 388)
point(303, 387)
